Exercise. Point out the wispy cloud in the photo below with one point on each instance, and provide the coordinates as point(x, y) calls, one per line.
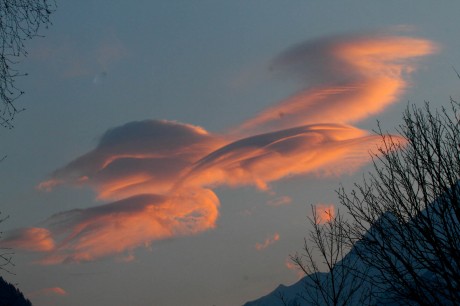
point(347, 79)
point(88, 234)
point(156, 176)
point(279, 201)
point(56, 291)
point(268, 242)
point(30, 239)
point(288, 263)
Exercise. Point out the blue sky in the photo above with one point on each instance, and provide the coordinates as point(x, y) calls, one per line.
point(208, 64)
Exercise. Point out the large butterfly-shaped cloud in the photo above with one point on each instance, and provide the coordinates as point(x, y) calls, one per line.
point(157, 176)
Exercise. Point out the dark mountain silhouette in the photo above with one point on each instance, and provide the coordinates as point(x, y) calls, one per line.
point(11, 296)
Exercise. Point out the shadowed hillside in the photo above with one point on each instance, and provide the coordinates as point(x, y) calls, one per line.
point(11, 296)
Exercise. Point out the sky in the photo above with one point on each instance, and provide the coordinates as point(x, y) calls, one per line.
point(170, 151)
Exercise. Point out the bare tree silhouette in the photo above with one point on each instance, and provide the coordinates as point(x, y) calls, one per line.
point(401, 244)
point(20, 20)
point(338, 283)
point(406, 214)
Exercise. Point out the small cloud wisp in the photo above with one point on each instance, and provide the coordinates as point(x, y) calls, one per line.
point(324, 213)
point(268, 242)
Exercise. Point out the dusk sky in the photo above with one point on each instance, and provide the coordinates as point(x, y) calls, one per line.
point(170, 150)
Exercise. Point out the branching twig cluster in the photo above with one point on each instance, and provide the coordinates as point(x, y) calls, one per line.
point(340, 280)
point(20, 20)
point(6, 255)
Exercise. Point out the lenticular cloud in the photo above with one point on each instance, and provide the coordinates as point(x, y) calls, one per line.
point(138, 157)
point(265, 158)
point(352, 77)
point(156, 176)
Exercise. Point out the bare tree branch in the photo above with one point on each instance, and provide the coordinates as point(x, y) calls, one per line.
point(406, 214)
point(20, 20)
point(340, 281)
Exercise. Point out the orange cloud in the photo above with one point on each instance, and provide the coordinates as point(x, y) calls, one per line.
point(328, 149)
point(324, 213)
point(30, 239)
point(355, 77)
point(49, 291)
point(138, 157)
point(157, 175)
point(54, 290)
point(268, 242)
point(88, 234)
point(293, 267)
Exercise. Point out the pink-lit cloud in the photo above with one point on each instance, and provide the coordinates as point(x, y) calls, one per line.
point(347, 79)
point(324, 213)
point(268, 242)
point(293, 267)
point(88, 234)
point(156, 176)
point(52, 291)
point(138, 157)
point(30, 239)
point(264, 158)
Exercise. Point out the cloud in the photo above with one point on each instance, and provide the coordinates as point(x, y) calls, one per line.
point(279, 201)
point(288, 263)
point(139, 157)
point(324, 213)
point(52, 291)
point(348, 79)
point(327, 149)
point(88, 234)
point(30, 239)
point(268, 242)
point(156, 177)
